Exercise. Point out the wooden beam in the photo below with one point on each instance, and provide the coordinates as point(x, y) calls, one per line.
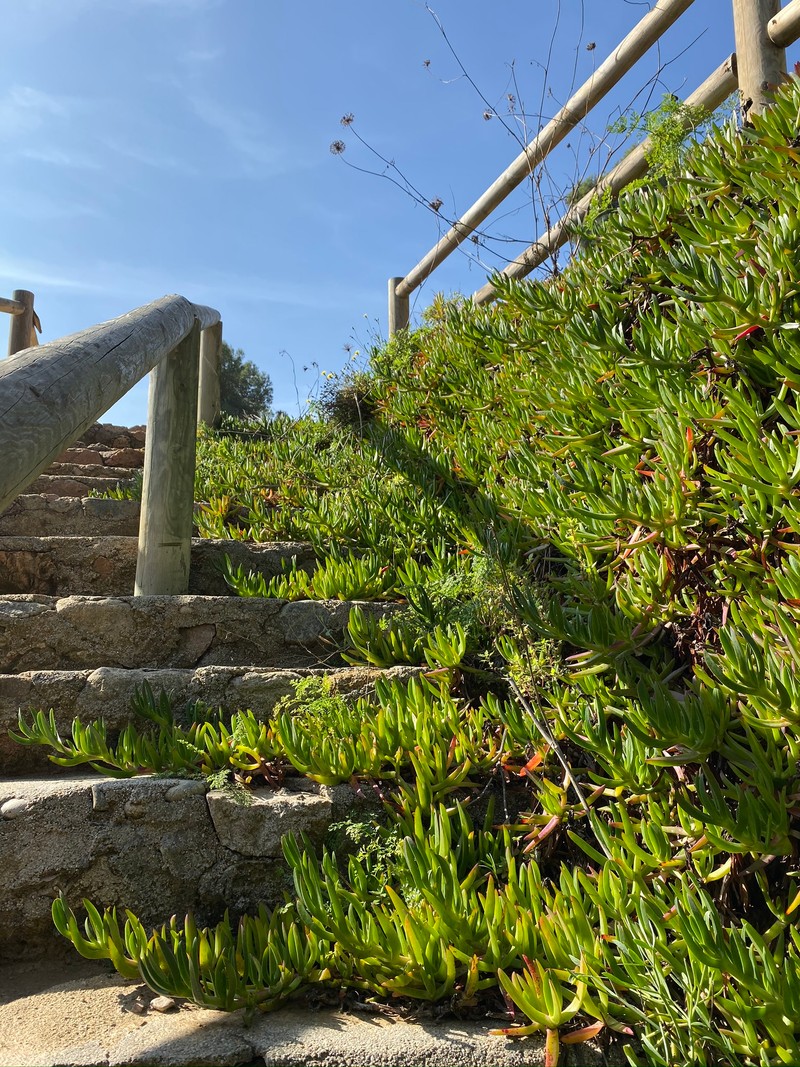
point(165, 523)
point(628, 52)
point(784, 29)
point(208, 393)
point(51, 394)
point(399, 311)
point(762, 64)
point(19, 334)
point(714, 90)
point(11, 307)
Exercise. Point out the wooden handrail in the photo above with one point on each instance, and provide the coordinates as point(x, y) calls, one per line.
point(763, 29)
point(50, 394)
point(11, 307)
point(709, 96)
point(627, 53)
point(784, 29)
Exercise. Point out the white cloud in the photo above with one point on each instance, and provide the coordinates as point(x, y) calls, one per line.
point(137, 285)
point(24, 109)
point(58, 158)
point(140, 154)
point(245, 134)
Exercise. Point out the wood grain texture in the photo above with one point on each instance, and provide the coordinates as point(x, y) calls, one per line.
point(628, 52)
point(398, 308)
point(19, 334)
point(11, 307)
point(784, 29)
point(208, 393)
point(49, 395)
point(165, 523)
point(762, 64)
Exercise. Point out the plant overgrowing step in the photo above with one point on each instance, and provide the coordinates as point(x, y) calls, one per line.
point(595, 482)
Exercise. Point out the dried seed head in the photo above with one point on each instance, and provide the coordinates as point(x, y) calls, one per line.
point(337, 147)
point(347, 120)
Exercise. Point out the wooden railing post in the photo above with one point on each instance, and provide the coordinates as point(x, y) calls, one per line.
point(761, 64)
point(165, 523)
point(398, 308)
point(19, 334)
point(208, 396)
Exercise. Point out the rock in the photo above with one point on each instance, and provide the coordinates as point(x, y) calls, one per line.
point(87, 456)
point(162, 1004)
point(40, 632)
point(11, 809)
point(42, 515)
point(146, 843)
point(123, 457)
point(256, 828)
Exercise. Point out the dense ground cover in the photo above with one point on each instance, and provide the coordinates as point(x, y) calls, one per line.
point(586, 499)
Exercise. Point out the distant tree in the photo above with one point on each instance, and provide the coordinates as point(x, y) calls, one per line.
point(244, 390)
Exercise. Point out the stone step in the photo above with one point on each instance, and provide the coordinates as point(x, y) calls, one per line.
point(106, 566)
point(89, 470)
point(40, 632)
point(106, 693)
point(105, 435)
point(98, 456)
point(78, 1013)
point(75, 485)
point(44, 515)
point(156, 845)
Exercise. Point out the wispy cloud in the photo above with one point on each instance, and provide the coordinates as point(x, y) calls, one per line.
point(36, 276)
point(245, 134)
point(201, 57)
point(188, 5)
point(140, 284)
point(24, 109)
point(58, 158)
point(139, 153)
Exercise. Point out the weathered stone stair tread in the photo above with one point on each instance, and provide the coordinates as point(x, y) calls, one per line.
point(94, 470)
point(107, 692)
point(44, 514)
point(158, 845)
point(73, 485)
point(106, 566)
point(77, 1016)
point(47, 633)
point(103, 456)
point(107, 435)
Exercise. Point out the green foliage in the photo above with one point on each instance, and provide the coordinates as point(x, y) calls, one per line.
point(245, 392)
point(590, 488)
point(338, 577)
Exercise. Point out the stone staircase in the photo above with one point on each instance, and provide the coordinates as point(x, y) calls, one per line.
point(73, 638)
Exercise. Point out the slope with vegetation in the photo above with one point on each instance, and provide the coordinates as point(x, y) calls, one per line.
point(586, 500)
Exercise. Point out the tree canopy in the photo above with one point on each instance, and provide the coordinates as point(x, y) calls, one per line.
point(245, 391)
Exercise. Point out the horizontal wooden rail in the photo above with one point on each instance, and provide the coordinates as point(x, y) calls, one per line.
point(762, 29)
point(714, 91)
point(641, 38)
point(11, 307)
point(50, 394)
point(784, 28)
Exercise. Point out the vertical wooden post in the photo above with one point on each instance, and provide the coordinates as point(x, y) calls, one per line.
point(760, 63)
point(398, 308)
point(165, 523)
point(19, 334)
point(208, 396)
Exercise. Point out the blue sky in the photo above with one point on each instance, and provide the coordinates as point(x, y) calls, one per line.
point(157, 146)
